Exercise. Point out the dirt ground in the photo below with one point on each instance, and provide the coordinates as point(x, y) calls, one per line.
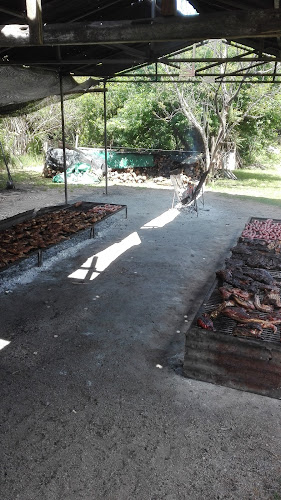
point(93, 402)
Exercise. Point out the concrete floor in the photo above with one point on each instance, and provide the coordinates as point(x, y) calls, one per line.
point(93, 402)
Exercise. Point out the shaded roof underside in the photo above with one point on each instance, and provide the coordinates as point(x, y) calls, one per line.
point(103, 38)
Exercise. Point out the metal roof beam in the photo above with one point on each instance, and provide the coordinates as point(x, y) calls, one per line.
point(34, 18)
point(13, 13)
point(70, 62)
point(242, 24)
point(218, 60)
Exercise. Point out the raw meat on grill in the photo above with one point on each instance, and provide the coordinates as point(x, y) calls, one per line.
point(262, 229)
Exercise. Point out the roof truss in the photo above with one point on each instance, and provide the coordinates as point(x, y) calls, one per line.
point(241, 24)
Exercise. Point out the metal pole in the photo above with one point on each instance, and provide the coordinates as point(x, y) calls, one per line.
point(152, 9)
point(63, 140)
point(105, 136)
point(10, 183)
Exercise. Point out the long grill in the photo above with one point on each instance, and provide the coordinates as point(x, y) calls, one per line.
point(225, 325)
point(29, 229)
point(220, 357)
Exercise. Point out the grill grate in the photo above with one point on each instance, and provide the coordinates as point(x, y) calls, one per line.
point(226, 325)
point(62, 236)
point(221, 357)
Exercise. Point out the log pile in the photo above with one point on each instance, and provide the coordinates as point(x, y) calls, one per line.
point(142, 175)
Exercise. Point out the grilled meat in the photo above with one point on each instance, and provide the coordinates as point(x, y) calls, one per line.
point(262, 307)
point(242, 293)
point(260, 275)
point(227, 276)
point(239, 314)
point(273, 298)
point(234, 262)
point(248, 330)
point(239, 279)
point(225, 292)
point(214, 314)
point(44, 230)
point(257, 259)
point(204, 321)
point(241, 249)
point(240, 297)
point(247, 304)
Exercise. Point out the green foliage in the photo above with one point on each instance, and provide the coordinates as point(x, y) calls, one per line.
point(260, 129)
point(136, 118)
point(146, 115)
point(136, 123)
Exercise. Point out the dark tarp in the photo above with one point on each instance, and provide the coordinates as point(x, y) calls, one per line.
point(25, 90)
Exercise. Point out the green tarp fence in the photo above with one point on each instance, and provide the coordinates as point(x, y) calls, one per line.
point(125, 159)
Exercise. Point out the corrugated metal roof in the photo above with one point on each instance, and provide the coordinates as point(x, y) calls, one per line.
point(120, 37)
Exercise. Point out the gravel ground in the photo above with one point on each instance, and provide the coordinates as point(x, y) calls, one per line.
point(93, 402)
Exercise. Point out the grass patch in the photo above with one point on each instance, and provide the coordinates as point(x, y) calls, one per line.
point(261, 185)
point(25, 175)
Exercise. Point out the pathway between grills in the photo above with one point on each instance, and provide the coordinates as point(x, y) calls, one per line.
point(93, 403)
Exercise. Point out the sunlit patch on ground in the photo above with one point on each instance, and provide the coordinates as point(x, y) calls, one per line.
point(3, 343)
